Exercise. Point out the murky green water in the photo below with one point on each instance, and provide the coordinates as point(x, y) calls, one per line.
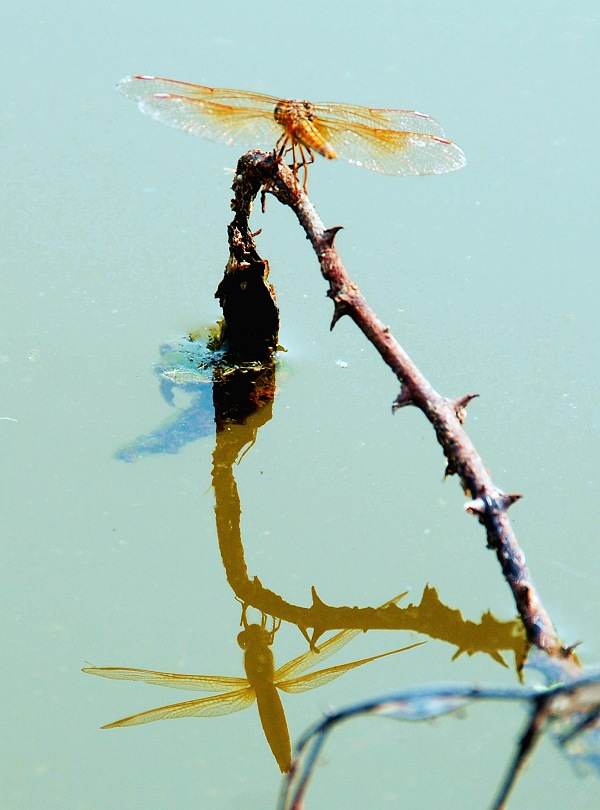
point(114, 240)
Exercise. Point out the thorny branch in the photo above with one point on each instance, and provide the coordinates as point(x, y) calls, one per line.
point(487, 502)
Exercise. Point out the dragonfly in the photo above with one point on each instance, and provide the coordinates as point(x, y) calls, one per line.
point(260, 684)
point(401, 142)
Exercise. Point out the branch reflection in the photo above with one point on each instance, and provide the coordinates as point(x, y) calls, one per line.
point(242, 402)
point(431, 617)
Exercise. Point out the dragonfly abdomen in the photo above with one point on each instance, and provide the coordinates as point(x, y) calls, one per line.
point(274, 723)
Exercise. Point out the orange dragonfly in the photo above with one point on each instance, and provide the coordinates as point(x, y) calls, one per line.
point(387, 141)
point(261, 684)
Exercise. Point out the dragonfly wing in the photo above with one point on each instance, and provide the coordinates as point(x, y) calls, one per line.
point(328, 648)
point(248, 123)
point(323, 676)
point(139, 88)
point(389, 151)
point(204, 707)
point(197, 683)
point(399, 120)
point(311, 657)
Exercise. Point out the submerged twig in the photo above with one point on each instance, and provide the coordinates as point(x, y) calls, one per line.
point(486, 500)
point(569, 705)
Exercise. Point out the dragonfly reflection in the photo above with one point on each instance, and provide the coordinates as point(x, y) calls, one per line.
point(261, 684)
point(387, 141)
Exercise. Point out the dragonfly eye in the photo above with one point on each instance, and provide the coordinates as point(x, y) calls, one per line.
point(242, 639)
point(281, 113)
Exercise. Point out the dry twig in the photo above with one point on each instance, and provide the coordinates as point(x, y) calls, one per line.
point(487, 502)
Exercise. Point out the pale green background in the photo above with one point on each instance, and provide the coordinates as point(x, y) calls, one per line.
point(113, 239)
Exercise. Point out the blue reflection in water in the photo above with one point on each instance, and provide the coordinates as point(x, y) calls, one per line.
point(186, 365)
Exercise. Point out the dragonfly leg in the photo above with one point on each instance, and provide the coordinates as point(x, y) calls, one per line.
point(282, 146)
point(295, 163)
point(307, 159)
point(243, 620)
point(275, 625)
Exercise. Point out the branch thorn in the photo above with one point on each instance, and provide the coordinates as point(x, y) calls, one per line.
point(403, 399)
point(459, 406)
point(450, 469)
point(317, 602)
point(340, 309)
point(490, 504)
point(506, 500)
point(330, 234)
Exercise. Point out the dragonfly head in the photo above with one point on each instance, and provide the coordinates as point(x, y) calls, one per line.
point(255, 635)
